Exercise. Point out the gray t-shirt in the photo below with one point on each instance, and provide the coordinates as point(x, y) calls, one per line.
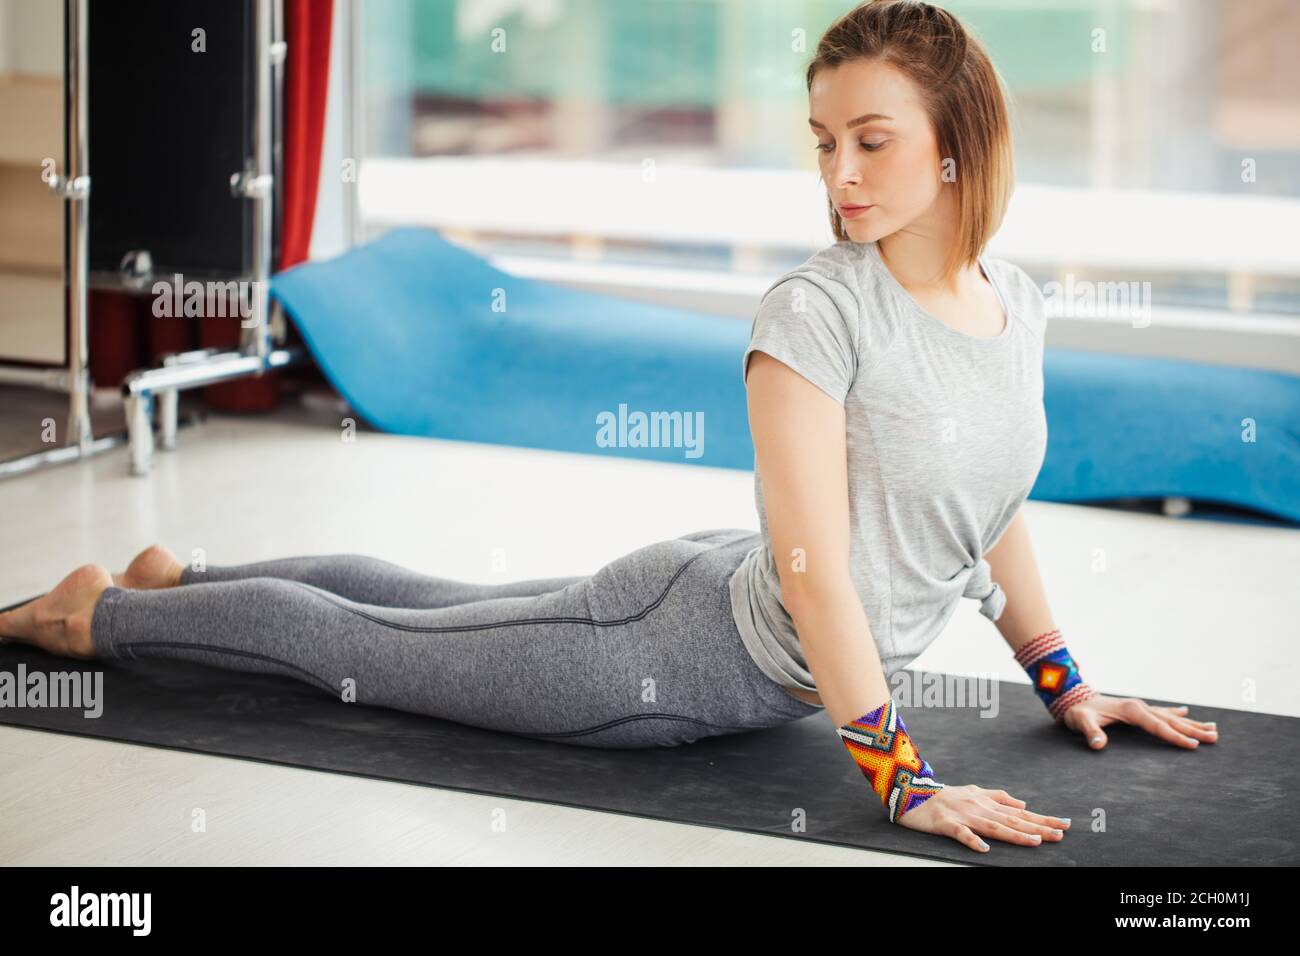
point(946, 433)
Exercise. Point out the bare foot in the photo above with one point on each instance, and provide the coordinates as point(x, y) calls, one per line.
point(154, 567)
point(59, 622)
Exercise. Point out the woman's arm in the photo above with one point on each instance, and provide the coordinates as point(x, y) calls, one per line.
point(1027, 626)
point(1013, 566)
point(800, 448)
point(799, 441)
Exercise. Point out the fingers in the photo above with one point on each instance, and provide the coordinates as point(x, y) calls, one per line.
point(1001, 831)
point(980, 813)
point(1090, 727)
point(1008, 829)
point(1022, 821)
point(964, 835)
point(1141, 714)
point(1206, 732)
point(1001, 796)
point(1017, 807)
point(1056, 823)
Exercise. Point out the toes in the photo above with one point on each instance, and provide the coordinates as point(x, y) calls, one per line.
point(17, 622)
point(59, 621)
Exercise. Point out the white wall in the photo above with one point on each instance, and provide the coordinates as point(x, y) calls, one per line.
point(31, 37)
point(327, 237)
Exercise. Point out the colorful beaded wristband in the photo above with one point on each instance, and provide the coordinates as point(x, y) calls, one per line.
point(879, 744)
point(1054, 673)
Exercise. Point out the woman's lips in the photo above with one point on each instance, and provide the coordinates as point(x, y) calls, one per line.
point(852, 212)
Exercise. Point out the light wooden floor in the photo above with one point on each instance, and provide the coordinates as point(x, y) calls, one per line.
point(1203, 612)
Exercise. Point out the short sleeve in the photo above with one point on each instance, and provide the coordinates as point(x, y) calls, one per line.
point(800, 325)
point(1027, 300)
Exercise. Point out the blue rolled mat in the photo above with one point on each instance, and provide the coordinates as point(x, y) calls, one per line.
point(405, 328)
point(1129, 426)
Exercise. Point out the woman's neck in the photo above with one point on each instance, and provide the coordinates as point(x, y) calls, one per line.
point(916, 261)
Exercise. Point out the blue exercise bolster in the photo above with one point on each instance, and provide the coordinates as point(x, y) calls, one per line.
point(405, 328)
point(1130, 426)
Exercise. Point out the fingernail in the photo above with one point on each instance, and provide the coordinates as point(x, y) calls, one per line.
point(1037, 837)
point(1212, 725)
point(1065, 819)
point(1096, 739)
point(983, 845)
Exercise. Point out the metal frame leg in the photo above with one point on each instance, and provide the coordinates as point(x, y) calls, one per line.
point(168, 403)
point(139, 425)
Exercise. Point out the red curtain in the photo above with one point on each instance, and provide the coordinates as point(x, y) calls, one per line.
point(307, 27)
point(307, 30)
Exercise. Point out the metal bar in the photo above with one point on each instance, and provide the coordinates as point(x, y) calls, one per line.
point(77, 174)
point(218, 368)
point(256, 340)
point(55, 379)
point(353, 118)
point(275, 108)
point(140, 387)
point(59, 456)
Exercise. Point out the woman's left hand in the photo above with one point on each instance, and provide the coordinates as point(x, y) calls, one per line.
point(1167, 723)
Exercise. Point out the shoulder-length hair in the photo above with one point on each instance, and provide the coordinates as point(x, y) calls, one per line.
point(963, 97)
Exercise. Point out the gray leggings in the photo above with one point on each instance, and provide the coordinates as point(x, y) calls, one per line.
point(642, 653)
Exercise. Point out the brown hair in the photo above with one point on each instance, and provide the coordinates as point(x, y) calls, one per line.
point(963, 97)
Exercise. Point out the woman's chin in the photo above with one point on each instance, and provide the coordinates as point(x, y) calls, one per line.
point(859, 232)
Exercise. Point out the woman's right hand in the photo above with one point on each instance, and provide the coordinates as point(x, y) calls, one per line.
point(967, 813)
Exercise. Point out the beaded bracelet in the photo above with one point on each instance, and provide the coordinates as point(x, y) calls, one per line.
point(1054, 673)
point(881, 747)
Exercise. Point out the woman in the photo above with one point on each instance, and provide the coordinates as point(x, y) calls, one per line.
point(895, 401)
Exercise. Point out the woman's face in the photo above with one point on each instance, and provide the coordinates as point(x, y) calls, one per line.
point(889, 162)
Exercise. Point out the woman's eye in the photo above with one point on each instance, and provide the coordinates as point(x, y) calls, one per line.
point(870, 147)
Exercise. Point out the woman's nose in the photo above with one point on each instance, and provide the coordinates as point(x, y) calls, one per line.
point(845, 171)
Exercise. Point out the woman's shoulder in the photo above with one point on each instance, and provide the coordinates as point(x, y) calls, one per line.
point(832, 266)
point(1024, 298)
point(842, 273)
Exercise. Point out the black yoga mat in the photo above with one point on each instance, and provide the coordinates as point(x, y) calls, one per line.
point(1225, 803)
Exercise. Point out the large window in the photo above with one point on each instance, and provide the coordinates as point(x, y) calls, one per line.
point(1156, 140)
